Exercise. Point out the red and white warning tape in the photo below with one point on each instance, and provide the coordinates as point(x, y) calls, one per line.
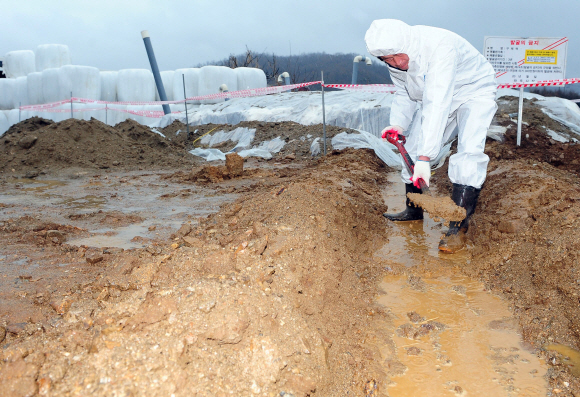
point(540, 83)
point(386, 88)
point(364, 87)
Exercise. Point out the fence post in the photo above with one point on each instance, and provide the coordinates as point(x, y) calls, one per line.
point(71, 109)
point(323, 113)
point(186, 116)
point(19, 111)
point(106, 113)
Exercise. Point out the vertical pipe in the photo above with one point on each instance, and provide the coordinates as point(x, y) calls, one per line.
point(155, 70)
point(19, 111)
point(287, 80)
point(186, 116)
point(106, 113)
point(520, 114)
point(354, 72)
point(323, 113)
point(71, 112)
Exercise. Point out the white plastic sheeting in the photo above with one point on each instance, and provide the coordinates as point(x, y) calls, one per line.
point(7, 89)
point(315, 147)
point(167, 79)
point(52, 56)
point(264, 150)
point(191, 84)
point(109, 86)
point(21, 91)
point(358, 110)
point(272, 146)
point(212, 77)
point(244, 136)
point(250, 78)
point(19, 63)
point(208, 154)
point(135, 85)
point(34, 88)
point(82, 81)
point(4, 125)
point(51, 86)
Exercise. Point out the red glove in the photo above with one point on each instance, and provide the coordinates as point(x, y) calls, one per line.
point(392, 131)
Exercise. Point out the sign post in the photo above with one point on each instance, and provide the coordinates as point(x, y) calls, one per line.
point(526, 60)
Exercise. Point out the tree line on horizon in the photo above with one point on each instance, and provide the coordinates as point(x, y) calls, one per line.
point(303, 68)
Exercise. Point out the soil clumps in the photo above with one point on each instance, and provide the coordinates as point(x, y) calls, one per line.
point(40, 146)
point(442, 207)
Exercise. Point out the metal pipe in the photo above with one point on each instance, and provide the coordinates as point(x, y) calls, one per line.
point(71, 110)
point(155, 70)
point(284, 77)
point(520, 114)
point(355, 63)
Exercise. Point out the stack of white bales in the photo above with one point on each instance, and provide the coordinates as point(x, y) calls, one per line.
point(212, 77)
point(19, 63)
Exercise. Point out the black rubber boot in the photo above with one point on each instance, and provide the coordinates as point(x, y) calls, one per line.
point(411, 212)
point(466, 197)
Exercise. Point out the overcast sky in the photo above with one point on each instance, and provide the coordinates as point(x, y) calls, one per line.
point(106, 34)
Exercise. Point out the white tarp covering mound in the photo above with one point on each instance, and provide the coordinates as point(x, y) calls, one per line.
point(52, 56)
point(51, 86)
point(34, 88)
point(250, 78)
point(4, 125)
point(242, 135)
point(167, 79)
point(264, 150)
point(109, 86)
point(7, 90)
point(135, 85)
point(191, 76)
point(21, 92)
point(82, 81)
point(212, 77)
point(19, 63)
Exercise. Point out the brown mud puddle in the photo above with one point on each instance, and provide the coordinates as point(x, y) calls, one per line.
point(451, 337)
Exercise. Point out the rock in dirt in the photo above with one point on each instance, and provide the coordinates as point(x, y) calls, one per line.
point(94, 255)
point(61, 306)
point(16, 328)
point(56, 234)
point(2, 334)
point(442, 207)
point(27, 142)
point(234, 164)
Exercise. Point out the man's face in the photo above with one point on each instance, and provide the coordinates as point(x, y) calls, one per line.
point(399, 61)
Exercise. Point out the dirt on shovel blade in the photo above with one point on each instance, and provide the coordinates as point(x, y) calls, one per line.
point(442, 207)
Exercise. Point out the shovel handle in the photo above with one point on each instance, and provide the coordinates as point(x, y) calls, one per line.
point(399, 140)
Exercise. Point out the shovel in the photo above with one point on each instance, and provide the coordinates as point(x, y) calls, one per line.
point(399, 140)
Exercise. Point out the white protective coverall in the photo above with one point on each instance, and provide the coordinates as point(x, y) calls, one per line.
point(448, 84)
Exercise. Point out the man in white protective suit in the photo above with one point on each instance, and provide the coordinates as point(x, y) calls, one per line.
point(449, 87)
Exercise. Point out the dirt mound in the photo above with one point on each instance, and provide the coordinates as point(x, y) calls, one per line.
point(86, 144)
point(272, 295)
point(29, 125)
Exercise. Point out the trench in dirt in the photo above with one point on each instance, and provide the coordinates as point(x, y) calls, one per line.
point(450, 335)
point(273, 293)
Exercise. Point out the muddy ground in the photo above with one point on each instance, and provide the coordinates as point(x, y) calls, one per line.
point(271, 288)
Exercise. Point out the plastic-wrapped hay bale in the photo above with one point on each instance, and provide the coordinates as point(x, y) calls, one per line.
point(167, 78)
point(51, 86)
point(109, 86)
point(82, 81)
point(4, 125)
point(21, 92)
point(13, 117)
point(7, 88)
point(19, 63)
point(34, 88)
point(50, 56)
point(212, 77)
point(135, 85)
point(250, 78)
point(191, 84)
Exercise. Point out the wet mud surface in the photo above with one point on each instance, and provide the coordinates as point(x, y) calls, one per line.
point(284, 279)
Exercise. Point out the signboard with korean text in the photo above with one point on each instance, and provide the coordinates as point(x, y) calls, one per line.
point(526, 59)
